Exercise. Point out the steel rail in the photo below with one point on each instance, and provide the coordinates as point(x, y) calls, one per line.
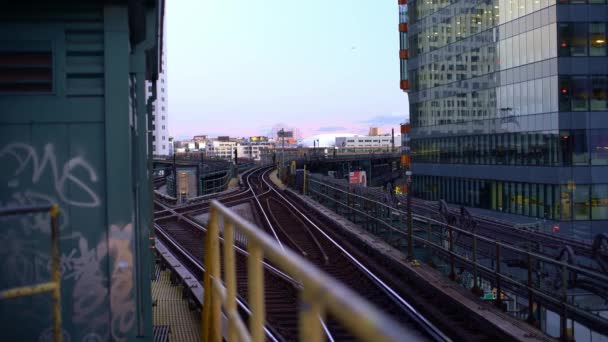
point(255, 197)
point(325, 328)
point(426, 219)
point(547, 296)
point(416, 316)
point(184, 253)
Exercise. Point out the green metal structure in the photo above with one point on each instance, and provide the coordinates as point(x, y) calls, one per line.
point(74, 123)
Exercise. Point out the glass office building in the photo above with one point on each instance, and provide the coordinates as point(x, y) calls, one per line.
point(509, 106)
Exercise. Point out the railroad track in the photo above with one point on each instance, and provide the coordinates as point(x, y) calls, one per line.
point(186, 239)
point(242, 195)
point(303, 231)
point(557, 247)
point(186, 236)
point(509, 231)
point(296, 227)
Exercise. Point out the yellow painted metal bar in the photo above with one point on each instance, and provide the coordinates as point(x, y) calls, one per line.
point(240, 327)
point(54, 286)
point(230, 274)
point(304, 189)
point(216, 302)
point(211, 323)
point(26, 291)
point(56, 272)
point(320, 294)
point(310, 316)
point(219, 289)
point(256, 291)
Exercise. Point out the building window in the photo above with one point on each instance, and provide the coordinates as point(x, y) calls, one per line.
point(583, 93)
point(599, 93)
point(581, 203)
point(598, 146)
point(163, 126)
point(163, 137)
point(599, 202)
point(597, 39)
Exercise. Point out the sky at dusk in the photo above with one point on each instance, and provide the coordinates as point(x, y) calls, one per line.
point(240, 67)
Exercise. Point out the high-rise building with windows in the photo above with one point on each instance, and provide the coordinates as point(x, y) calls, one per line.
point(509, 106)
point(160, 130)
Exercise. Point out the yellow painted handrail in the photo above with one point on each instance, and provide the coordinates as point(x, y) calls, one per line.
point(54, 286)
point(320, 294)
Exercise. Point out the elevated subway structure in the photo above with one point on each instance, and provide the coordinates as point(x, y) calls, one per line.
point(73, 133)
point(75, 140)
point(563, 276)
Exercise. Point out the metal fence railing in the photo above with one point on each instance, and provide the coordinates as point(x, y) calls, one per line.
point(53, 286)
point(320, 294)
point(524, 273)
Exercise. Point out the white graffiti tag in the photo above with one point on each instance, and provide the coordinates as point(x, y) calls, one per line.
point(121, 293)
point(26, 154)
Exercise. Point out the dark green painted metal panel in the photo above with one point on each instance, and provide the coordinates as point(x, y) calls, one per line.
point(120, 187)
point(83, 147)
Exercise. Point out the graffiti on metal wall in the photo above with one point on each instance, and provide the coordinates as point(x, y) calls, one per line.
point(26, 155)
point(121, 292)
point(70, 184)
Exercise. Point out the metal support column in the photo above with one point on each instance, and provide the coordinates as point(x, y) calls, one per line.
point(531, 319)
point(498, 287)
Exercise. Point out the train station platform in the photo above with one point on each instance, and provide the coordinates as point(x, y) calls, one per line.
point(172, 317)
point(425, 275)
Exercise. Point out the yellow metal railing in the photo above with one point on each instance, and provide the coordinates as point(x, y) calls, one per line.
point(54, 286)
point(320, 294)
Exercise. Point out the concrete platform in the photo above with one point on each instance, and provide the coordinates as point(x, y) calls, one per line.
point(517, 330)
point(276, 180)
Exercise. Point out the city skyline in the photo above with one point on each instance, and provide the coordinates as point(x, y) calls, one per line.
point(337, 72)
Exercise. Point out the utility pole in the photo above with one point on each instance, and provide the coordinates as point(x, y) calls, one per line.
point(236, 162)
point(406, 163)
point(174, 176)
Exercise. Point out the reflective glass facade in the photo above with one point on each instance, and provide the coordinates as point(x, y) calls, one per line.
point(495, 85)
point(548, 201)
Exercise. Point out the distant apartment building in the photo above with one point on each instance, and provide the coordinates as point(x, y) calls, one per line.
point(375, 131)
point(221, 148)
point(509, 106)
point(171, 149)
point(252, 147)
point(160, 117)
point(200, 138)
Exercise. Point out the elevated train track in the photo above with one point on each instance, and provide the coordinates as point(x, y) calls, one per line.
point(554, 270)
point(295, 227)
